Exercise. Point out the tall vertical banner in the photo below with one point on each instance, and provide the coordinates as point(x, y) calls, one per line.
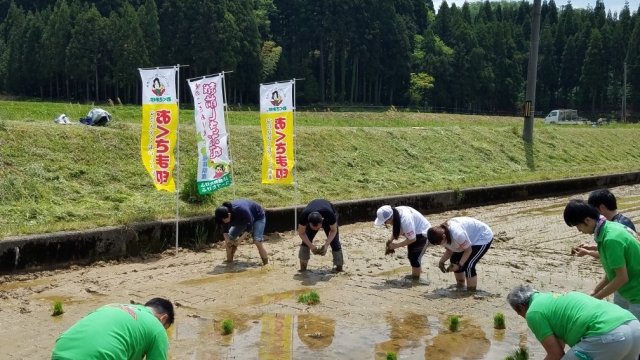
point(276, 119)
point(159, 125)
point(213, 153)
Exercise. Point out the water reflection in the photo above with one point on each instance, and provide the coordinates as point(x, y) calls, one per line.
point(313, 336)
point(406, 332)
point(468, 343)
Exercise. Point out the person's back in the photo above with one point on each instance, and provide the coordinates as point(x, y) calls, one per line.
point(621, 219)
point(478, 232)
point(572, 316)
point(253, 207)
point(412, 216)
point(324, 207)
point(114, 332)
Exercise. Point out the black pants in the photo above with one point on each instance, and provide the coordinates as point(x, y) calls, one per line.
point(335, 244)
point(477, 252)
point(415, 250)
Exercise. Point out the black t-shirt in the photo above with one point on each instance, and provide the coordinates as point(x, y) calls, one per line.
point(322, 206)
point(619, 218)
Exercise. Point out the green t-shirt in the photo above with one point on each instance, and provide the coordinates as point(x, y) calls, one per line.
point(572, 316)
point(618, 246)
point(114, 332)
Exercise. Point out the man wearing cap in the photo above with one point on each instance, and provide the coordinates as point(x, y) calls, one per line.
point(408, 222)
point(319, 214)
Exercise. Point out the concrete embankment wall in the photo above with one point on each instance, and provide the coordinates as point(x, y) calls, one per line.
point(80, 247)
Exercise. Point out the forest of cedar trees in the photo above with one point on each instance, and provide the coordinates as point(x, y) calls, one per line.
point(470, 58)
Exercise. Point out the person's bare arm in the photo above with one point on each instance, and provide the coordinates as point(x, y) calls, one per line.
point(622, 277)
point(304, 237)
point(554, 349)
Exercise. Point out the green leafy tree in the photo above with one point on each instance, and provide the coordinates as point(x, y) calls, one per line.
point(84, 51)
point(270, 57)
point(418, 88)
point(55, 40)
point(593, 78)
point(633, 60)
point(13, 54)
point(31, 55)
point(150, 26)
point(547, 72)
point(127, 48)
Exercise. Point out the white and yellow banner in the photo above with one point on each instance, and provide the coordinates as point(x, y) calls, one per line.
point(159, 125)
point(276, 119)
point(213, 153)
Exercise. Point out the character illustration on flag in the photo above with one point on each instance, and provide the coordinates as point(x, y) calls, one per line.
point(159, 125)
point(276, 119)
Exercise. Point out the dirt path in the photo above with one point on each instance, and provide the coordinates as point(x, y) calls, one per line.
point(364, 312)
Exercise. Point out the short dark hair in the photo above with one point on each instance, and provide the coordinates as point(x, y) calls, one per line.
point(162, 306)
point(315, 218)
point(603, 197)
point(222, 212)
point(577, 210)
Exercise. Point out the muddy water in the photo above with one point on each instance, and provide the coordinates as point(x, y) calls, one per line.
point(368, 310)
point(282, 336)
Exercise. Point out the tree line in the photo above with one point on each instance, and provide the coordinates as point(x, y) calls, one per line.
point(381, 52)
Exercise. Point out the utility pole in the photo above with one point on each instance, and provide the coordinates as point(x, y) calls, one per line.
point(532, 73)
point(624, 96)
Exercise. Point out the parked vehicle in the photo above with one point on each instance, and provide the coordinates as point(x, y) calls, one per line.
point(564, 116)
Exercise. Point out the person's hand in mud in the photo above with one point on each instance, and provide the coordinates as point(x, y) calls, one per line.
point(442, 267)
point(585, 249)
point(588, 247)
point(388, 249)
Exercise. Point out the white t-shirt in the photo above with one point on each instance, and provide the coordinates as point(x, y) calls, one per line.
point(412, 222)
point(466, 231)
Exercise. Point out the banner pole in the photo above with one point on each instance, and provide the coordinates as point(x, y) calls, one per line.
point(177, 167)
point(295, 160)
point(226, 120)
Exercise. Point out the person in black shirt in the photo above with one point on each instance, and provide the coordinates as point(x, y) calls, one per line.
point(318, 214)
point(605, 201)
point(238, 218)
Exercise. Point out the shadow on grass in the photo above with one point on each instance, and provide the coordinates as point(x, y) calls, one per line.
point(528, 153)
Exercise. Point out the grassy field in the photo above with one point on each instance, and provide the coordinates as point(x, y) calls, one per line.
point(55, 177)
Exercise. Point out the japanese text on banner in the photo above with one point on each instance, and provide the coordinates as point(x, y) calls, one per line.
point(159, 126)
point(276, 119)
point(213, 155)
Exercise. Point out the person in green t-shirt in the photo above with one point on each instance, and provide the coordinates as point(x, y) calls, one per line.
point(605, 201)
point(119, 332)
point(618, 250)
point(594, 329)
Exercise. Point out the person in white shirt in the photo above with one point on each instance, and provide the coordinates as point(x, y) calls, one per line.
point(413, 226)
point(466, 240)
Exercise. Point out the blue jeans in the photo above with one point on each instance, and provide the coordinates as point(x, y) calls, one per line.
point(621, 343)
point(258, 230)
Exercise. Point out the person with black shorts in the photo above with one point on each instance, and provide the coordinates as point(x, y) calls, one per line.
point(466, 240)
point(413, 226)
point(319, 214)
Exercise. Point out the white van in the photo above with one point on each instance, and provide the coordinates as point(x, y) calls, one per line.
point(564, 116)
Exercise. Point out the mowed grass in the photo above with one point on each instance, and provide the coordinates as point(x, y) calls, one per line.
point(47, 111)
point(55, 177)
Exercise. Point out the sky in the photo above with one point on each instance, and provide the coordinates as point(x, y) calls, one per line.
point(613, 5)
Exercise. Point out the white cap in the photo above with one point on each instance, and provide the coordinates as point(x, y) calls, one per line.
point(384, 213)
